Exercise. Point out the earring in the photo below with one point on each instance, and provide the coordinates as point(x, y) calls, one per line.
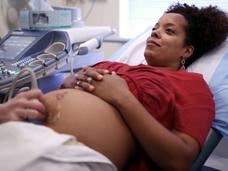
point(182, 63)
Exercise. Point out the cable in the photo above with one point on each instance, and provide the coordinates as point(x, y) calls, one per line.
point(84, 48)
point(90, 10)
point(33, 81)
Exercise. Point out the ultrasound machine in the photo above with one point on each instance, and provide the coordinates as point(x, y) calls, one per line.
point(42, 51)
point(49, 54)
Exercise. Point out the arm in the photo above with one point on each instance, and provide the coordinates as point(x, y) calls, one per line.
point(177, 149)
point(25, 105)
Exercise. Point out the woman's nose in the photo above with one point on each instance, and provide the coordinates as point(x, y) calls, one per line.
point(155, 33)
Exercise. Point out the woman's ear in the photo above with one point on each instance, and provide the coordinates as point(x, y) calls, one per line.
point(188, 51)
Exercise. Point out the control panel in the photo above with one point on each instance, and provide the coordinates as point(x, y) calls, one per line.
point(43, 51)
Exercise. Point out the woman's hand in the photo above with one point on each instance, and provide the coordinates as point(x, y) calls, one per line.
point(112, 89)
point(99, 82)
point(82, 78)
point(108, 86)
point(69, 82)
point(26, 105)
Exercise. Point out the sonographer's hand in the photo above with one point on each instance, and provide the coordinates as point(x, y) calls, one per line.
point(26, 105)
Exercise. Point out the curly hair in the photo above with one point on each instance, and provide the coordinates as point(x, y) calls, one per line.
point(207, 27)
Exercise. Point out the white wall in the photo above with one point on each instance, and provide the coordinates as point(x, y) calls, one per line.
point(9, 14)
point(105, 12)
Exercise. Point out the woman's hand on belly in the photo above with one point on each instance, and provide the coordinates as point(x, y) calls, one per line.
point(84, 77)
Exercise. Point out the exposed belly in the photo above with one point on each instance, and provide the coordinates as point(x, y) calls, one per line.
point(93, 121)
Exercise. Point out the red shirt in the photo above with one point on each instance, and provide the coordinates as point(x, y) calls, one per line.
point(177, 99)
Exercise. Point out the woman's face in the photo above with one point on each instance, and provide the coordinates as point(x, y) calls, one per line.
point(165, 46)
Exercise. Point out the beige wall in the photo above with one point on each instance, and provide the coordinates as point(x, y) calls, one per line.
point(105, 12)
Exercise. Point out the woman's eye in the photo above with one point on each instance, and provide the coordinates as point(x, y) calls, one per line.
point(169, 31)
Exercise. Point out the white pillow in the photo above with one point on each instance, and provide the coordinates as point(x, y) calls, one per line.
point(132, 52)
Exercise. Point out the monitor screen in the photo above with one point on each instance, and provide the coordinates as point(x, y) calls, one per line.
point(14, 45)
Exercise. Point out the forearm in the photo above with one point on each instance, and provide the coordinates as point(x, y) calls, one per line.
point(160, 143)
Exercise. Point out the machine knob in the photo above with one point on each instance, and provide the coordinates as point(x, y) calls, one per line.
point(8, 73)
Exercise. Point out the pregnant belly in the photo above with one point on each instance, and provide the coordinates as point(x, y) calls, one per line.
point(93, 121)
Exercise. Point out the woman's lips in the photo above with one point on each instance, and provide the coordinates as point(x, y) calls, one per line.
point(153, 43)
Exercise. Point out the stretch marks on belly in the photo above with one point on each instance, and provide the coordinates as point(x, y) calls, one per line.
point(53, 107)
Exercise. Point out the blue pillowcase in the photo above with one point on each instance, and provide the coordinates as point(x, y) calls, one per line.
point(214, 68)
point(219, 87)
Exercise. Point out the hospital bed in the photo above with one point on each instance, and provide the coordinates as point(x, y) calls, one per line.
point(213, 67)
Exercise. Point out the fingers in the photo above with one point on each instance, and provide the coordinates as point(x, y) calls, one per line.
point(25, 105)
point(33, 114)
point(96, 74)
point(22, 114)
point(16, 113)
point(84, 86)
point(88, 83)
point(31, 109)
point(32, 94)
point(37, 105)
point(69, 81)
point(100, 71)
point(84, 78)
point(29, 104)
point(32, 99)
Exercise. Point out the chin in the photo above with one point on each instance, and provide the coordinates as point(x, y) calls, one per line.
point(149, 52)
point(148, 55)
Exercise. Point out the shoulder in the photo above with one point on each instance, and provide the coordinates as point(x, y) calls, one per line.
point(187, 77)
point(110, 65)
